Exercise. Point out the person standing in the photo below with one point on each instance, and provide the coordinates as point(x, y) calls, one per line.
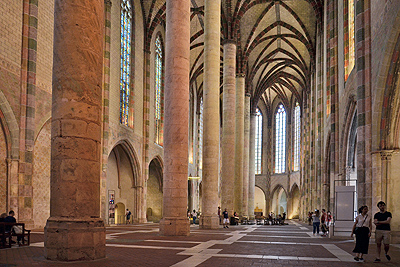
point(382, 233)
point(194, 215)
point(219, 215)
point(363, 225)
point(128, 216)
point(324, 219)
point(226, 218)
point(316, 222)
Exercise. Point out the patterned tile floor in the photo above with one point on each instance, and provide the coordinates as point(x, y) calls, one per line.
point(243, 245)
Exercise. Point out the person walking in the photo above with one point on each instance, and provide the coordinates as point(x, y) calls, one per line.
point(226, 219)
point(382, 233)
point(316, 222)
point(362, 229)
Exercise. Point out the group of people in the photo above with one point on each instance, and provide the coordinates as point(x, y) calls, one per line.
point(320, 220)
point(362, 230)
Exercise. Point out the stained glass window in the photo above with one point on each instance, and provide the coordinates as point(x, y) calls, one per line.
point(158, 89)
point(351, 36)
point(201, 135)
point(296, 138)
point(280, 139)
point(258, 144)
point(126, 31)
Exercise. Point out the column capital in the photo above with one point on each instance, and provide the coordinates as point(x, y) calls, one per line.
point(240, 75)
point(108, 3)
point(386, 154)
point(147, 51)
point(247, 94)
point(229, 41)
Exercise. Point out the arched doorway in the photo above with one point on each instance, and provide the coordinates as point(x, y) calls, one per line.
point(259, 201)
point(279, 201)
point(154, 191)
point(3, 171)
point(120, 185)
point(295, 211)
point(119, 213)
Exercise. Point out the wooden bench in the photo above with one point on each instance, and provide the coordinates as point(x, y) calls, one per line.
point(5, 234)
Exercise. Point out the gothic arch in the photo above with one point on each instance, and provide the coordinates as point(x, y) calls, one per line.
point(133, 159)
point(348, 131)
point(390, 124)
point(10, 127)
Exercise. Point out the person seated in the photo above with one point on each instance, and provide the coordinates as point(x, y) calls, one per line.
point(235, 218)
point(3, 216)
point(11, 219)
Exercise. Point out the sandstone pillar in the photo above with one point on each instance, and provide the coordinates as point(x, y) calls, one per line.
point(252, 165)
point(75, 230)
point(175, 193)
point(212, 13)
point(386, 156)
point(246, 155)
point(228, 127)
point(239, 143)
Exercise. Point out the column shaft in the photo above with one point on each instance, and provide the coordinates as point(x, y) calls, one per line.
point(239, 144)
point(246, 155)
point(209, 218)
point(76, 133)
point(175, 193)
point(228, 127)
point(252, 163)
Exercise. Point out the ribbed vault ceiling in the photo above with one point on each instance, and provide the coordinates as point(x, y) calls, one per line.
point(275, 43)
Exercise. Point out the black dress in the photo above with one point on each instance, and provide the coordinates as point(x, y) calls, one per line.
point(362, 240)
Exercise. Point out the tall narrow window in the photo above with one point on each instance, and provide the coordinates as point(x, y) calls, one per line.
point(349, 37)
point(258, 144)
point(158, 90)
point(201, 135)
point(296, 138)
point(126, 32)
point(280, 139)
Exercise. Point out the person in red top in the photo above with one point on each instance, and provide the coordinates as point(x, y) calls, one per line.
point(324, 221)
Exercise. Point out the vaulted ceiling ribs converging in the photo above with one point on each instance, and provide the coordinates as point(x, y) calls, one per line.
point(275, 43)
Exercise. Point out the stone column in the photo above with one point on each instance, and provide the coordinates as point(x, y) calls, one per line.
point(175, 193)
point(228, 127)
point(246, 156)
point(210, 174)
point(386, 156)
point(239, 143)
point(75, 230)
point(252, 163)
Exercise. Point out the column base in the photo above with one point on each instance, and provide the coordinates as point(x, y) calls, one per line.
point(209, 222)
point(74, 239)
point(174, 226)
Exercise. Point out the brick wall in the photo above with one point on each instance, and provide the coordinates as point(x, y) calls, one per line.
point(41, 177)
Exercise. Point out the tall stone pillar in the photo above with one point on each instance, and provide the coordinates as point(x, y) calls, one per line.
point(386, 156)
point(75, 230)
point(176, 132)
point(246, 156)
point(228, 127)
point(239, 143)
point(212, 14)
point(252, 165)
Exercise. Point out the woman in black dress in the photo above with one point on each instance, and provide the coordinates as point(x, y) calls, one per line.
point(363, 233)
